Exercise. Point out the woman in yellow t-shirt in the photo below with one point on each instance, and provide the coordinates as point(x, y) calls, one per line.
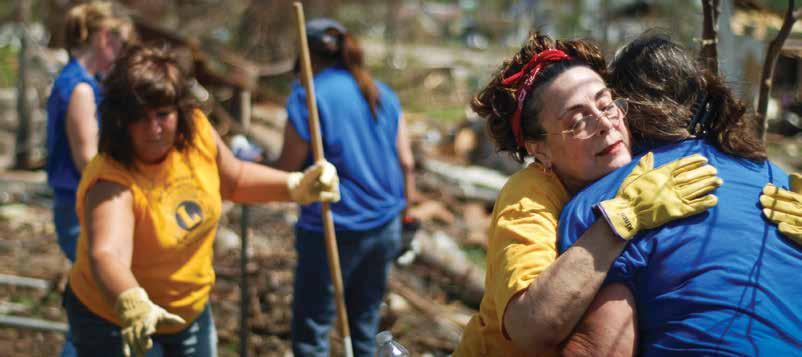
point(149, 205)
point(550, 102)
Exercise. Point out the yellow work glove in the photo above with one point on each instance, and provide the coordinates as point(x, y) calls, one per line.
point(318, 182)
point(784, 207)
point(649, 198)
point(139, 318)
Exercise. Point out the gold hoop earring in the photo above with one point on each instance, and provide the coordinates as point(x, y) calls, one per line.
point(545, 166)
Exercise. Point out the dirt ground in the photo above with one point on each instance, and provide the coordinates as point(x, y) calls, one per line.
point(28, 248)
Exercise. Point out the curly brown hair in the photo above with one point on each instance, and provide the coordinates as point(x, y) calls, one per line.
point(497, 102)
point(663, 84)
point(143, 78)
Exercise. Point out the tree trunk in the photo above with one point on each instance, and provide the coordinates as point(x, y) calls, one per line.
point(709, 51)
point(23, 140)
point(391, 32)
point(772, 53)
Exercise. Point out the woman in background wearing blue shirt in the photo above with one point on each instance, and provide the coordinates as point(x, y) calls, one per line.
point(364, 137)
point(95, 36)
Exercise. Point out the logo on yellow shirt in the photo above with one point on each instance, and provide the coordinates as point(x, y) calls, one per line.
point(188, 215)
point(187, 211)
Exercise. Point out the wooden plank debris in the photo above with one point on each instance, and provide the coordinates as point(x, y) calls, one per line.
point(440, 251)
point(21, 281)
point(32, 324)
point(469, 182)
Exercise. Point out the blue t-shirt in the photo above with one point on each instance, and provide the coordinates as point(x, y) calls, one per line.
point(62, 175)
point(363, 149)
point(724, 282)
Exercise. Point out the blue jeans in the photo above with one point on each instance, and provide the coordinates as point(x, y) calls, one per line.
point(67, 231)
point(94, 336)
point(67, 228)
point(365, 260)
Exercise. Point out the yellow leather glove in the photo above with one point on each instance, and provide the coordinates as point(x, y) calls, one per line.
point(139, 318)
point(649, 198)
point(784, 207)
point(318, 182)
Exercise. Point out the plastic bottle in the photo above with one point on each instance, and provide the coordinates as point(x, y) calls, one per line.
point(387, 347)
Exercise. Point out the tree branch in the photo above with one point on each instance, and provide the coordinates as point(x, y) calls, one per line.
point(772, 53)
point(709, 51)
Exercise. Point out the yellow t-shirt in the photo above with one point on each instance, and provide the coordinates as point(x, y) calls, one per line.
point(177, 206)
point(522, 243)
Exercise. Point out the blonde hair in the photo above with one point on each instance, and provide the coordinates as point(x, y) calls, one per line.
point(85, 20)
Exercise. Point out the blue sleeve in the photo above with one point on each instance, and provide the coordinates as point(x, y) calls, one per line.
point(391, 100)
point(578, 215)
point(625, 268)
point(389, 108)
point(297, 111)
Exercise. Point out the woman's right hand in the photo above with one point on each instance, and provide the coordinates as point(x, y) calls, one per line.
point(139, 318)
point(649, 197)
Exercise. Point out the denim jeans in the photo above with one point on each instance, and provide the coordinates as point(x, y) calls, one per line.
point(94, 336)
point(365, 260)
point(67, 228)
point(67, 231)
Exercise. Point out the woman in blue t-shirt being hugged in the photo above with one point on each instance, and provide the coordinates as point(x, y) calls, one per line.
point(95, 36)
point(364, 136)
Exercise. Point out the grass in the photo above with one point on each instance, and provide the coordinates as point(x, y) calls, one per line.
point(8, 66)
point(445, 114)
point(477, 255)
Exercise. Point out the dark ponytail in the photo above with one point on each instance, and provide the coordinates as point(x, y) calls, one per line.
point(353, 58)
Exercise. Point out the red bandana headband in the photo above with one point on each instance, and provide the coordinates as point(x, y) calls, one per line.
point(536, 63)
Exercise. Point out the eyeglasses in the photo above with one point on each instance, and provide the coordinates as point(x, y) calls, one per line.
point(589, 125)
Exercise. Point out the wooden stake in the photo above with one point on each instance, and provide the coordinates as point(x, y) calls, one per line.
point(317, 150)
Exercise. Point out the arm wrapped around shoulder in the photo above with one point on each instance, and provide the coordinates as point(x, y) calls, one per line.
point(609, 327)
point(649, 198)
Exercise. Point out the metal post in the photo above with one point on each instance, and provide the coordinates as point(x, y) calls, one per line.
point(244, 291)
point(245, 120)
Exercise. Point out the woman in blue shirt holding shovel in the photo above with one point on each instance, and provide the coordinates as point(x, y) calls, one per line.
point(363, 134)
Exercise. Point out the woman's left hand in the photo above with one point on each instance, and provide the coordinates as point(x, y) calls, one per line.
point(784, 207)
point(318, 183)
